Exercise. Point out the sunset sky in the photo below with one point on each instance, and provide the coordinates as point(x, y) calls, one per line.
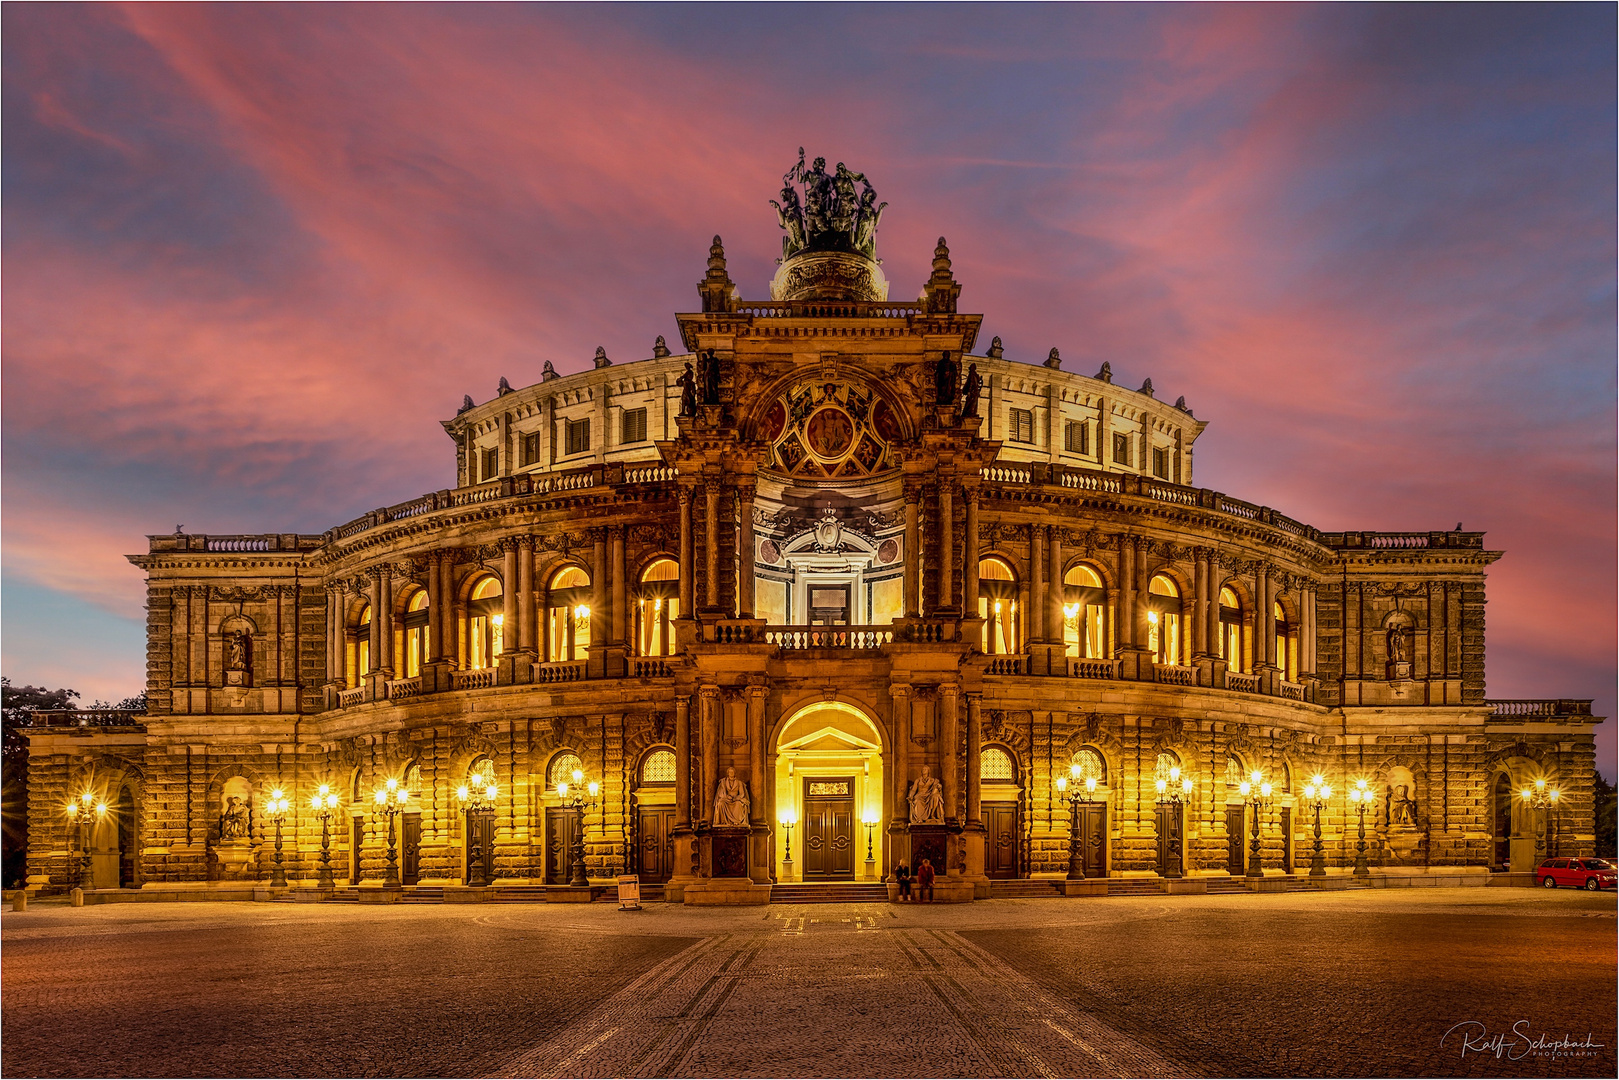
point(253, 255)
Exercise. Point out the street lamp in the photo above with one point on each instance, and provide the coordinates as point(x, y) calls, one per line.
point(578, 801)
point(870, 822)
point(1539, 797)
point(80, 815)
point(1171, 793)
point(1084, 792)
point(1318, 791)
point(477, 800)
point(277, 807)
point(788, 820)
point(390, 799)
point(324, 804)
point(1256, 792)
point(1361, 796)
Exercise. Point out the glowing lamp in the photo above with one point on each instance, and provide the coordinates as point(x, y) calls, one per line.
point(1090, 785)
point(594, 788)
point(1244, 788)
point(1062, 785)
point(562, 788)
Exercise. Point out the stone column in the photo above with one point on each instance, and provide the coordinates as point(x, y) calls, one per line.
point(947, 532)
point(435, 609)
point(975, 739)
point(711, 549)
point(899, 769)
point(1211, 632)
point(510, 596)
point(527, 616)
point(949, 736)
point(620, 594)
point(1054, 586)
point(756, 754)
point(374, 641)
point(1036, 613)
point(688, 568)
point(1200, 603)
point(683, 762)
point(913, 550)
point(1307, 660)
point(334, 634)
point(1265, 619)
point(710, 701)
point(744, 551)
point(973, 553)
point(1138, 592)
point(449, 634)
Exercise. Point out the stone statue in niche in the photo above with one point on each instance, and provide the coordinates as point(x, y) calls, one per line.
point(946, 380)
point(688, 392)
point(731, 803)
point(970, 391)
point(238, 649)
point(1402, 807)
point(708, 377)
point(233, 820)
point(1396, 640)
point(927, 799)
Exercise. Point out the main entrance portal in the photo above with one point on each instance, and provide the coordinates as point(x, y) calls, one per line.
point(829, 787)
point(829, 839)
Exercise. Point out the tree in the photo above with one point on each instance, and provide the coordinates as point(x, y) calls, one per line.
point(17, 707)
point(1607, 810)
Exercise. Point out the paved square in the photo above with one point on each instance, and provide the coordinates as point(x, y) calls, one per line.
point(1359, 984)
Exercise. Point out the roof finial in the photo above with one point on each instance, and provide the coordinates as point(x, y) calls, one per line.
point(1146, 388)
point(995, 349)
point(549, 372)
point(601, 358)
point(1053, 361)
point(503, 388)
point(716, 288)
point(660, 348)
point(1106, 374)
point(466, 403)
point(940, 293)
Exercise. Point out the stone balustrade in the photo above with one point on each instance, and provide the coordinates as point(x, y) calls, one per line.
point(829, 637)
point(1510, 708)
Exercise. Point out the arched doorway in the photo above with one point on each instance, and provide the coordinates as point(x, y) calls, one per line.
point(998, 773)
point(1502, 817)
point(829, 783)
point(128, 844)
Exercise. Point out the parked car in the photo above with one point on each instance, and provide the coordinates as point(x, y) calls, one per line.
point(1590, 874)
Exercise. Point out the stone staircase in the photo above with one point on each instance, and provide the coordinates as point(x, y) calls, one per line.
point(831, 892)
point(1133, 887)
point(1022, 889)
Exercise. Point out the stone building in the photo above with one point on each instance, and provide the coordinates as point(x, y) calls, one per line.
point(832, 588)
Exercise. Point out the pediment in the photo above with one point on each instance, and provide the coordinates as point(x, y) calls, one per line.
point(830, 739)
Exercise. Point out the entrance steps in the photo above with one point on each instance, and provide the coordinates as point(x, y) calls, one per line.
point(1134, 887)
point(1022, 888)
point(1226, 886)
point(830, 892)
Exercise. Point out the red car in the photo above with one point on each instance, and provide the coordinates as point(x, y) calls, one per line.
point(1590, 874)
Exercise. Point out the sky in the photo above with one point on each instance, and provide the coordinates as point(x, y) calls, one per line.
point(254, 254)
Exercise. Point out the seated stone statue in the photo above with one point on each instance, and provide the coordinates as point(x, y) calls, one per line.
point(731, 803)
point(926, 799)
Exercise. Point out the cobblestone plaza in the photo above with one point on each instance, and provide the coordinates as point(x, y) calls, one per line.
point(1362, 983)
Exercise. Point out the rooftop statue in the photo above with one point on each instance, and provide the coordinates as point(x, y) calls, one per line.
point(831, 215)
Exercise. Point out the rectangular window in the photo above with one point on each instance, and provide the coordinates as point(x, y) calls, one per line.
point(1076, 437)
point(1121, 448)
point(1160, 463)
point(634, 426)
point(1021, 422)
point(531, 447)
point(491, 464)
point(578, 436)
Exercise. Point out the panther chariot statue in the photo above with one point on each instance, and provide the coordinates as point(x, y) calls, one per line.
point(829, 246)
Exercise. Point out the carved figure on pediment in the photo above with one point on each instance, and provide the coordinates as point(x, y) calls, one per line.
point(559, 728)
point(926, 799)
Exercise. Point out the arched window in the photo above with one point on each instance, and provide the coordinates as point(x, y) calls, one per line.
point(657, 604)
point(1164, 768)
point(415, 633)
point(998, 605)
point(563, 766)
point(485, 634)
point(1236, 771)
point(1287, 645)
point(658, 768)
point(412, 782)
point(1091, 764)
point(1231, 631)
point(480, 773)
point(995, 765)
point(1164, 619)
point(567, 619)
point(1083, 603)
point(361, 650)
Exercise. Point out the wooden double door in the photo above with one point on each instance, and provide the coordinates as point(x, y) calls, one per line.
point(655, 849)
point(410, 849)
point(1001, 840)
point(561, 827)
point(1171, 842)
point(829, 829)
point(1093, 838)
point(1236, 840)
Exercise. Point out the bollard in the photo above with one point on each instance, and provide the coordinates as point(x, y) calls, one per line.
point(19, 900)
point(76, 897)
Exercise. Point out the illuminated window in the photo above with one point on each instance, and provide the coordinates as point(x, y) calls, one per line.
point(998, 605)
point(1121, 448)
point(1090, 764)
point(415, 633)
point(485, 616)
point(659, 767)
point(1076, 437)
point(578, 435)
point(633, 428)
point(361, 647)
point(1020, 423)
point(1167, 761)
point(657, 605)
point(567, 605)
point(1164, 620)
point(563, 767)
point(491, 464)
point(1287, 644)
point(1084, 608)
point(996, 764)
point(1231, 631)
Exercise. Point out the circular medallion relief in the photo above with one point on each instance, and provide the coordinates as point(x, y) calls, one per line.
point(769, 552)
point(887, 551)
point(829, 433)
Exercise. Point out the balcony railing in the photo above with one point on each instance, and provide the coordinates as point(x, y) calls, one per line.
point(1511, 708)
point(399, 689)
point(651, 667)
point(829, 637)
point(1243, 684)
point(348, 698)
point(86, 718)
point(1174, 674)
point(1292, 690)
point(1083, 667)
point(1007, 665)
point(556, 671)
point(477, 679)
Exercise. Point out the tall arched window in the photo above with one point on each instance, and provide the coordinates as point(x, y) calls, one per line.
point(995, 765)
point(484, 629)
point(657, 604)
point(415, 633)
point(1084, 601)
point(1231, 650)
point(1287, 645)
point(1090, 763)
point(658, 768)
point(361, 650)
point(563, 766)
point(998, 605)
point(1164, 619)
point(567, 619)
point(1165, 767)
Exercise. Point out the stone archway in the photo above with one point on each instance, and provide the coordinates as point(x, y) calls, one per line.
point(829, 783)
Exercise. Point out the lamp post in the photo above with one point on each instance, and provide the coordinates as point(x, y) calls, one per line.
point(1361, 796)
point(390, 800)
point(1084, 792)
point(870, 822)
point(1256, 792)
point(1171, 793)
point(1539, 798)
point(477, 800)
point(574, 799)
point(80, 815)
point(324, 804)
point(276, 806)
point(1318, 791)
point(788, 820)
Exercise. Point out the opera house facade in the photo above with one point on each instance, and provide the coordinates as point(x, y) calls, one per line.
point(832, 587)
